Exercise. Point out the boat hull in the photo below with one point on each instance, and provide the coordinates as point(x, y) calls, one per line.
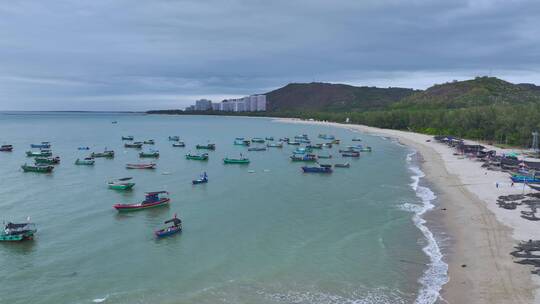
point(167, 232)
point(139, 207)
point(236, 161)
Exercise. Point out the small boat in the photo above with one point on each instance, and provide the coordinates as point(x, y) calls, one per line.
point(327, 145)
point(356, 139)
point(206, 147)
point(335, 141)
point(303, 136)
point(364, 149)
point(257, 149)
point(149, 142)
point(345, 165)
point(42, 145)
point(87, 161)
point(241, 142)
point(274, 145)
point(179, 144)
point(141, 166)
point(6, 148)
point(349, 149)
point(351, 154)
point(304, 158)
point(83, 148)
point(114, 122)
point(106, 154)
point(324, 156)
point(203, 156)
point(149, 154)
point(293, 143)
point(528, 179)
point(170, 230)
point(319, 169)
point(18, 232)
point(174, 138)
point(241, 161)
point(47, 160)
point(534, 187)
point(304, 141)
point(269, 138)
point(37, 168)
point(152, 199)
point(41, 153)
point(257, 140)
point(325, 136)
point(121, 184)
point(315, 146)
point(301, 151)
point(284, 139)
point(129, 137)
point(202, 180)
point(136, 145)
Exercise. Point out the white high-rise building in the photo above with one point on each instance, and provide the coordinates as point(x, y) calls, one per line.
point(261, 102)
point(203, 105)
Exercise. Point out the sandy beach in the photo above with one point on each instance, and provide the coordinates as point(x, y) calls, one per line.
point(481, 235)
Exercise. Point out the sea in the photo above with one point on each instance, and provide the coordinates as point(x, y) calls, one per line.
point(258, 233)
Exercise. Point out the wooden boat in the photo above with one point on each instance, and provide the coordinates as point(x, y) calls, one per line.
point(241, 161)
point(202, 180)
point(274, 145)
point(349, 149)
point(269, 138)
point(319, 169)
point(129, 137)
point(203, 156)
point(179, 144)
point(47, 160)
point(324, 156)
point(301, 151)
point(241, 142)
point(149, 154)
point(356, 139)
point(351, 154)
point(325, 136)
point(121, 184)
point(345, 165)
point(6, 148)
point(293, 143)
point(327, 145)
point(37, 168)
point(304, 141)
point(106, 154)
point(364, 149)
point(149, 142)
point(257, 140)
point(136, 145)
point(284, 139)
point(304, 158)
point(315, 146)
point(303, 136)
point(174, 138)
point(175, 228)
point(257, 149)
point(206, 147)
point(42, 145)
point(18, 232)
point(152, 200)
point(141, 166)
point(41, 153)
point(88, 161)
point(529, 179)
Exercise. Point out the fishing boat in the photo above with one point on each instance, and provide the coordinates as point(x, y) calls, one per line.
point(121, 183)
point(319, 169)
point(6, 148)
point(274, 145)
point(356, 139)
point(351, 154)
point(105, 154)
point(203, 156)
point(151, 200)
point(206, 147)
point(534, 187)
point(335, 141)
point(37, 168)
point(41, 153)
point(141, 166)
point(301, 150)
point(304, 158)
point(303, 136)
point(529, 179)
point(293, 143)
point(257, 149)
point(327, 145)
point(269, 138)
point(241, 161)
point(47, 160)
point(149, 154)
point(345, 165)
point(364, 149)
point(174, 138)
point(324, 156)
point(175, 228)
point(136, 145)
point(304, 141)
point(202, 180)
point(179, 144)
point(114, 122)
point(149, 142)
point(18, 232)
point(349, 149)
point(241, 142)
point(129, 137)
point(87, 161)
point(257, 140)
point(327, 137)
point(42, 145)
point(83, 148)
point(284, 139)
point(315, 146)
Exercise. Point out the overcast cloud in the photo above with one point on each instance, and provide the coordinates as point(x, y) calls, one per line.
point(139, 55)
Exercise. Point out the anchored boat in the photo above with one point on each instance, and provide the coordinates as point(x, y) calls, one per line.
point(121, 183)
point(129, 137)
point(152, 200)
point(179, 144)
point(41, 153)
point(87, 161)
point(345, 165)
point(106, 154)
point(18, 232)
point(351, 154)
point(202, 180)
point(241, 142)
point(47, 160)
point(174, 138)
point(6, 148)
point(203, 156)
point(274, 145)
point(207, 147)
point(269, 138)
point(324, 156)
point(42, 145)
point(241, 161)
point(141, 166)
point(136, 145)
point(37, 168)
point(257, 140)
point(149, 154)
point(170, 230)
point(304, 158)
point(257, 149)
point(149, 142)
point(320, 169)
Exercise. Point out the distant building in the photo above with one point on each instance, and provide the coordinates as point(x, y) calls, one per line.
point(216, 106)
point(203, 105)
point(252, 103)
point(190, 108)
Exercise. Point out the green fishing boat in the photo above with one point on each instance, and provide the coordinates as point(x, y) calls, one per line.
point(207, 147)
point(121, 184)
point(240, 161)
point(41, 153)
point(150, 154)
point(106, 154)
point(149, 142)
point(17, 232)
point(203, 156)
point(37, 168)
point(47, 160)
point(257, 140)
point(88, 161)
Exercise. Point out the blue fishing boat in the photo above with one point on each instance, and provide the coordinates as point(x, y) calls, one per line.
point(319, 169)
point(304, 158)
point(175, 228)
point(257, 149)
point(202, 180)
point(528, 179)
point(174, 138)
point(42, 145)
point(241, 142)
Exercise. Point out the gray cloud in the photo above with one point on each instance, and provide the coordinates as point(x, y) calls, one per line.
point(137, 55)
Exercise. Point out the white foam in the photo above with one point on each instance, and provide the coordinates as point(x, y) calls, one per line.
point(100, 300)
point(436, 275)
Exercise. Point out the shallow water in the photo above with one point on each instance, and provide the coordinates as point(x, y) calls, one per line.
point(273, 236)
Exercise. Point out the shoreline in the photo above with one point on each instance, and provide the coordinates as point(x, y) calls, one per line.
point(481, 235)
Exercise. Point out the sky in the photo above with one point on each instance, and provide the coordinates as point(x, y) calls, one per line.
point(164, 54)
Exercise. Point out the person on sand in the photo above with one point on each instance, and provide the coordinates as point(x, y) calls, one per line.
point(497, 185)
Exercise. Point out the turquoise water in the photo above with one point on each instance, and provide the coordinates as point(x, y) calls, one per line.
point(273, 236)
